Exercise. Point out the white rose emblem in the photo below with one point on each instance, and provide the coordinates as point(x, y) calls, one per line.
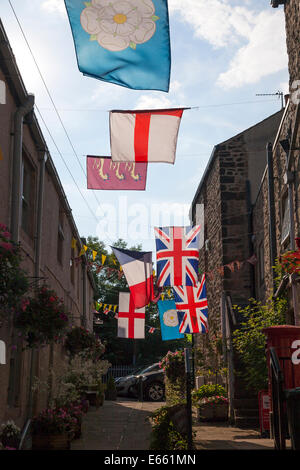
point(170, 318)
point(118, 24)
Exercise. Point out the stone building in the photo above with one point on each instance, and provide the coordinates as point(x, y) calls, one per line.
point(228, 191)
point(250, 192)
point(284, 167)
point(34, 207)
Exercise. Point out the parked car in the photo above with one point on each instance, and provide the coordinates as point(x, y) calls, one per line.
point(124, 385)
point(152, 383)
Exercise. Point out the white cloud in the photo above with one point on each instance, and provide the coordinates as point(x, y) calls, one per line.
point(264, 54)
point(54, 6)
point(223, 24)
point(155, 101)
point(215, 21)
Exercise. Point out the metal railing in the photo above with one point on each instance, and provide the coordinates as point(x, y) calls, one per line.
point(278, 402)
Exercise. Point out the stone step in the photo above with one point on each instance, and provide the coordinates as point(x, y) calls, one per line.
point(247, 422)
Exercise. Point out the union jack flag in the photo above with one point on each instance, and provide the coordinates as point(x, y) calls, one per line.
point(191, 306)
point(177, 255)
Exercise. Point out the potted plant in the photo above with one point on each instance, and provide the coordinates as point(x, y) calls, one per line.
point(42, 319)
point(52, 429)
point(10, 435)
point(211, 403)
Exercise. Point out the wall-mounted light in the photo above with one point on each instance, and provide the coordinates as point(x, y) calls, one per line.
point(275, 3)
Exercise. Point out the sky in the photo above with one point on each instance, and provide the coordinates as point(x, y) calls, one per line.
point(224, 53)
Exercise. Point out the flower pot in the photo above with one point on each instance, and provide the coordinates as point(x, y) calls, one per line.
point(51, 442)
point(77, 430)
point(212, 412)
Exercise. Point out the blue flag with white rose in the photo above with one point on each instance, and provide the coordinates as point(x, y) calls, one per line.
point(169, 324)
point(125, 42)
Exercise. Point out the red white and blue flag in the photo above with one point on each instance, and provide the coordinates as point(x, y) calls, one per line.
point(177, 255)
point(138, 270)
point(191, 306)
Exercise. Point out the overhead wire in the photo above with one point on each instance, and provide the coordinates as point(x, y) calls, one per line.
point(56, 111)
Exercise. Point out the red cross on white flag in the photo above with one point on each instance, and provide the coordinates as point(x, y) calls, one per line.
point(131, 321)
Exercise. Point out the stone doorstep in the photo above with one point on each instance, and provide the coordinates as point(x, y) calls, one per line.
point(245, 403)
point(247, 422)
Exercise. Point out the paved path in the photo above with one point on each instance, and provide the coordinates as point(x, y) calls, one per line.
point(117, 425)
point(219, 436)
point(123, 425)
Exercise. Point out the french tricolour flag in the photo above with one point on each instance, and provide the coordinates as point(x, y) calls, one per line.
point(137, 267)
point(144, 136)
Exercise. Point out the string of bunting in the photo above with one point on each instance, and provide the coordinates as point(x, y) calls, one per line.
point(233, 266)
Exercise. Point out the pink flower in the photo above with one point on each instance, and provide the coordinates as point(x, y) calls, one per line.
point(6, 234)
point(7, 246)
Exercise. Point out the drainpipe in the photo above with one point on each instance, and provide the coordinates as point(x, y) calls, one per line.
point(16, 200)
point(272, 229)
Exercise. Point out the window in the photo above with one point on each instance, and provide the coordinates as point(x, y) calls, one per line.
point(285, 219)
point(60, 237)
point(28, 196)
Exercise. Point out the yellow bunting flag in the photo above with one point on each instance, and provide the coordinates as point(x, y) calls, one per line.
point(115, 308)
point(162, 296)
point(121, 269)
point(73, 243)
point(83, 250)
point(94, 254)
point(103, 259)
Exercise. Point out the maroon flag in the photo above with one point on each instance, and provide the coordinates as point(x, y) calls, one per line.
point(103, 173)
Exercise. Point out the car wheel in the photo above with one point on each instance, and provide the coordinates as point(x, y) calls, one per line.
point(155, 392)
point(131, 392)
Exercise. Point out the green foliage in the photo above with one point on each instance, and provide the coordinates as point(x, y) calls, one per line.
point(249, 340)
point(209, 390)
point(164, 436)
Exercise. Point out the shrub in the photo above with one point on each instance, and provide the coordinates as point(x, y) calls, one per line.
point(164, 436)
point(210, 390)
point(249, 340)
point(173, 365)
point(53, 421)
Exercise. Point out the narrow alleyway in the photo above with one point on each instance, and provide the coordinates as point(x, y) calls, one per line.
point(123, 425)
